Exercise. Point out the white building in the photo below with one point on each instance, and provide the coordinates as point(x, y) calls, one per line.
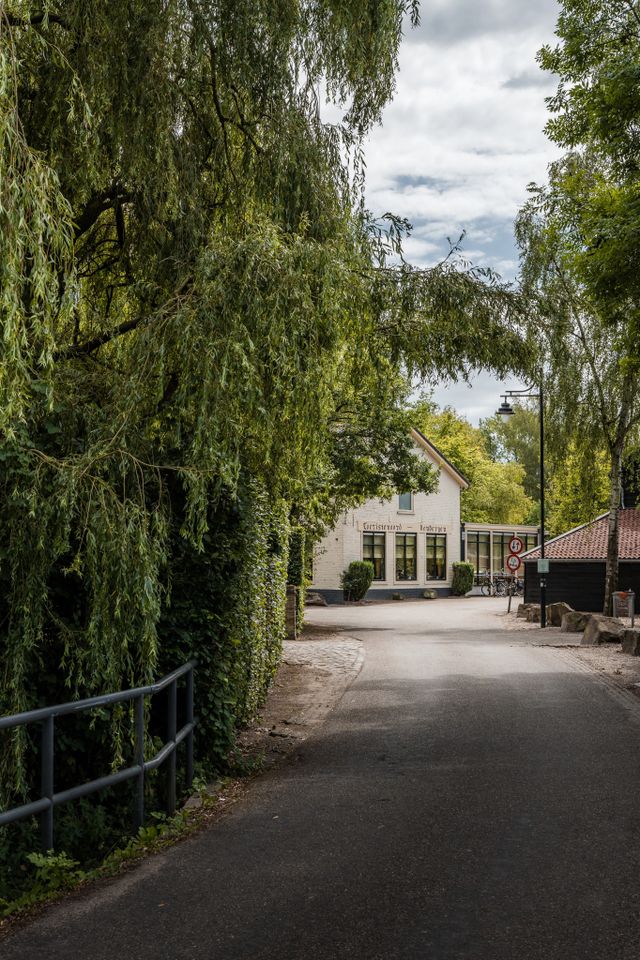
point(412, 540)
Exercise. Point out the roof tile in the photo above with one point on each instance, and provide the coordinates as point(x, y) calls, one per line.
point(589, 542)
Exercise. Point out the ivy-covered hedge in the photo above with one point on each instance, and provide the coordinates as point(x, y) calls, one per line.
point(224, 606)
point(228, 611)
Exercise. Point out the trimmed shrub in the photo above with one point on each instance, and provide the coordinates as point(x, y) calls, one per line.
point(356, 579)
point(462, 578)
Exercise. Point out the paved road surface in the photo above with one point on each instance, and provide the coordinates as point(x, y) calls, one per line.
point(470, 797)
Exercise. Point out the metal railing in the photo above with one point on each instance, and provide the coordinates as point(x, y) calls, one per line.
point(49, 799)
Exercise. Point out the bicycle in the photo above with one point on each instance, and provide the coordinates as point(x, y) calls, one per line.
point(485, 582)
point(513, 585)
point(501, 586)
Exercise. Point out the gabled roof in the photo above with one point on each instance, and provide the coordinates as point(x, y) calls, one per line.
point(439, 458)
point(589, 541)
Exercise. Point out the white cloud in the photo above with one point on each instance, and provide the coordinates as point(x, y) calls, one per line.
point(463, 138)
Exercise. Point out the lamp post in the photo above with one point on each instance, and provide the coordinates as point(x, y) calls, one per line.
point(504, 412)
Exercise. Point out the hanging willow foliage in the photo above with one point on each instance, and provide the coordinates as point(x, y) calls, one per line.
point(194, 300)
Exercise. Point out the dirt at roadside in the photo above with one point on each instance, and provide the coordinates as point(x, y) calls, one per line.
point(609, 660)
point(314, 673)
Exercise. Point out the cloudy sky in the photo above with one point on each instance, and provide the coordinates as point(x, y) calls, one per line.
point(463, 138)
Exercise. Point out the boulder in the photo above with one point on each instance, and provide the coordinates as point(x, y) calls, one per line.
point(556, 611)
point(430, 594)
point(574, 621)
point(523, 610)
point(601, 629)
point(533, 613)
point(315, 599)
point(631, 641)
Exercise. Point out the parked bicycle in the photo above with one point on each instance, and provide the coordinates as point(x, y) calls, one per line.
point(499, 585)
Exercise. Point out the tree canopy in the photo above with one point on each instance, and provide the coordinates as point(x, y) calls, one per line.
point(496, 491)
point(579, 252)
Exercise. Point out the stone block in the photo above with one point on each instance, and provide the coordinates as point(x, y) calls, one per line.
point(631, 641)
point(523, 610)
point(574, 621)
point(601, 629)
point(533, 613)
point(556, 611)
point(313, 599)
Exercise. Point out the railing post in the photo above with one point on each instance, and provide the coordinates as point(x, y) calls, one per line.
point(138, 815)
point(46, 778)
point(190, 720)
point(172, 709)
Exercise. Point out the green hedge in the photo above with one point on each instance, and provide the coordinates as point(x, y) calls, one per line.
point(224, 606)
point(357, 579)
point(462, 578)
point(228, 611)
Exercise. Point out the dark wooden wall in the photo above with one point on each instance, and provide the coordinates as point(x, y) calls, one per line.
point(580, 584)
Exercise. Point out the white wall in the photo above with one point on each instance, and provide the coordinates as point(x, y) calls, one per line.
point(344, 543)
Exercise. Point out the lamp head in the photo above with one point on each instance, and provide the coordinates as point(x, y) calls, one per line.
point(505, 410)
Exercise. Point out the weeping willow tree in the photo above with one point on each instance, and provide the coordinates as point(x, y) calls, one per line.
point(201, 323)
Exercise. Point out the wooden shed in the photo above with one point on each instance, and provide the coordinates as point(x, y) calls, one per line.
point(577, 561)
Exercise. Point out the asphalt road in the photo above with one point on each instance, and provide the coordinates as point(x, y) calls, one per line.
point(471, 797)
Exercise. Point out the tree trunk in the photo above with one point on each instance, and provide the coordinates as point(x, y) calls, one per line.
point(613, 540)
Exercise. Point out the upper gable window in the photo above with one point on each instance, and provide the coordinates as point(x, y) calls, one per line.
point(405, 501)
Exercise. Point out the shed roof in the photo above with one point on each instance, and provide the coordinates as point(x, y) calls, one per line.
point(589, 541)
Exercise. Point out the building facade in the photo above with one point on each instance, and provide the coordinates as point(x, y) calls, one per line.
point(412, 540)
point(486, 545)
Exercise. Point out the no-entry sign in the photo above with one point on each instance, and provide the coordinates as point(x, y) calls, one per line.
point(516, 545)
point(513, 562)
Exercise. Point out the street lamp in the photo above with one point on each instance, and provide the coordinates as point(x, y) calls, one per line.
point(504, 411)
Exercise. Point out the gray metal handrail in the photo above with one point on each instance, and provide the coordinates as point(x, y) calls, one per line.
point(49, 799)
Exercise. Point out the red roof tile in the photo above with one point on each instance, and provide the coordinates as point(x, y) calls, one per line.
point(589, 542)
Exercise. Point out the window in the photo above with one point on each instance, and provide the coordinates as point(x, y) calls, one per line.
point(405, 501)
point(531, 541)
point(478, 551)
point(406, 567)
point(501, 551)
point(373, 550)
point(436, 556)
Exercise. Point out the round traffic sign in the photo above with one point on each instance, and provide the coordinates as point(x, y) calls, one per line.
point(513, 562)
point(516, 545)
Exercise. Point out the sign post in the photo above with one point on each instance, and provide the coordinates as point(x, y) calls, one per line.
point(516, 546)
point(513, 565)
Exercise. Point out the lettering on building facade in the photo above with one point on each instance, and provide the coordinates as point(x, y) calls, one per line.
point(383, 527)
point(375, 526)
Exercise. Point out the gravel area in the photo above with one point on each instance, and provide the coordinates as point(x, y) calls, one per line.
point(606, 659)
